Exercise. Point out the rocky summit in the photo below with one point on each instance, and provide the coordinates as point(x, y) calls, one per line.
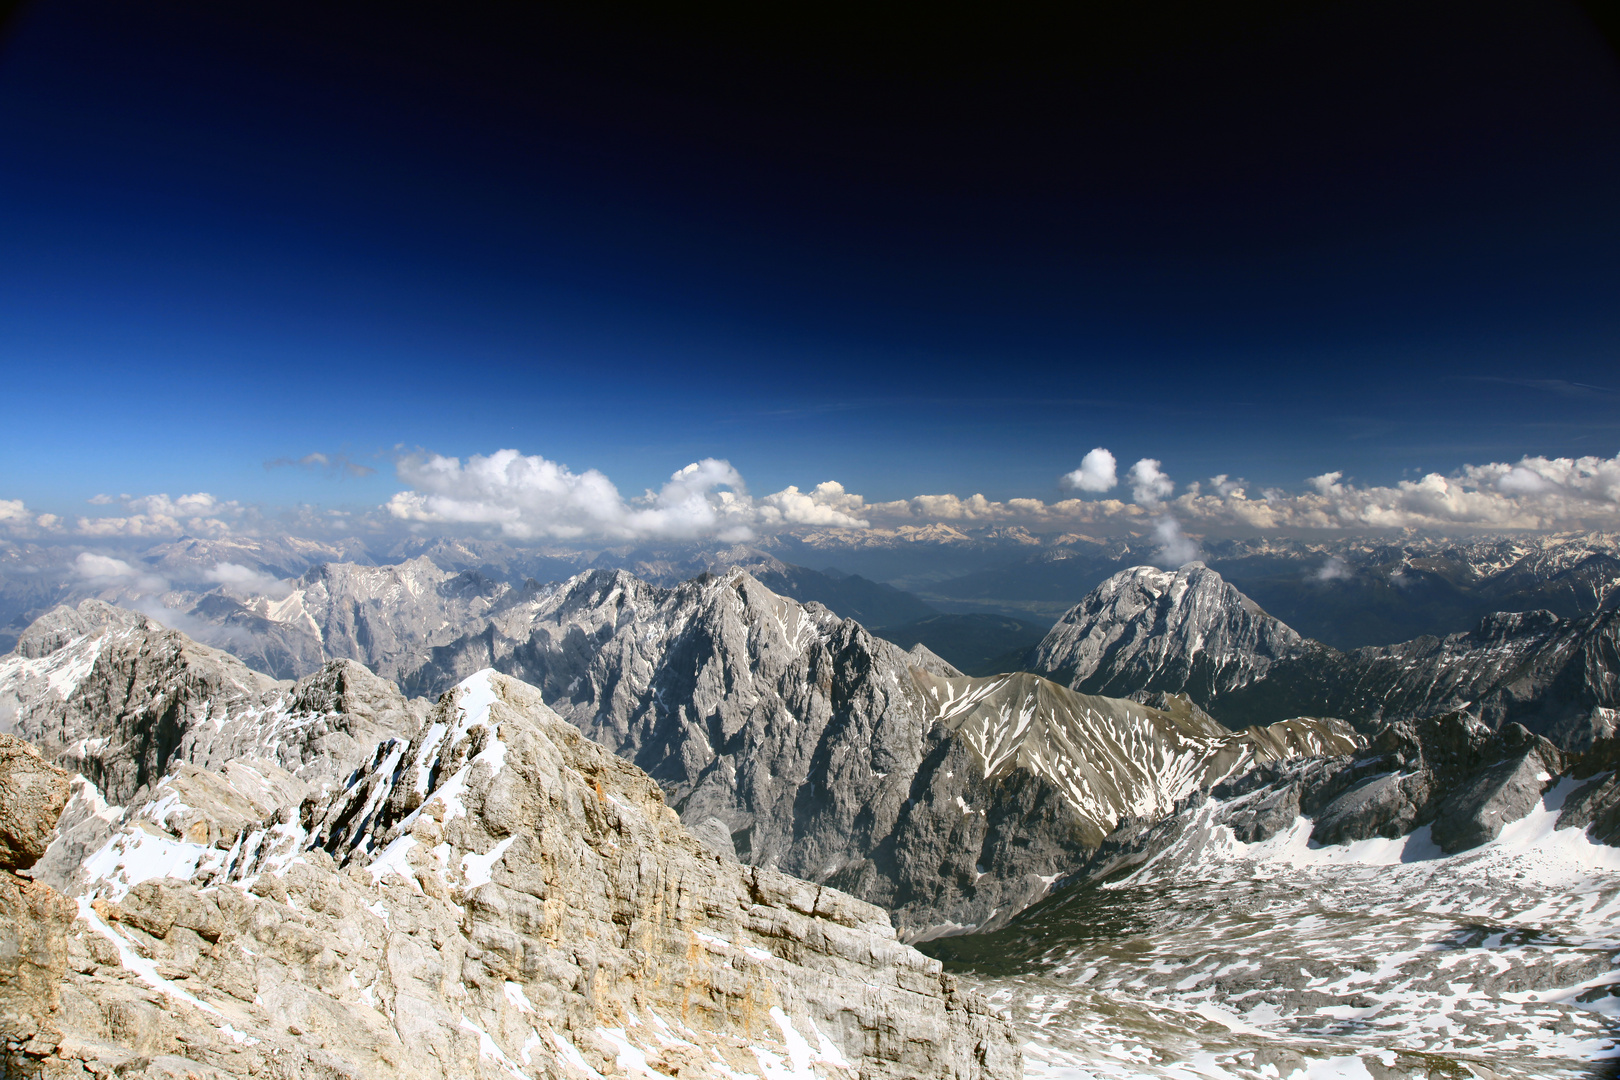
point(1147, 631)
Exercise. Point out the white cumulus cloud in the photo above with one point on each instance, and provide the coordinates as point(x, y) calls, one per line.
point(825, 504)
point(527, 496)
point(1096, 472)
point(18, 520)
point(1149, 485)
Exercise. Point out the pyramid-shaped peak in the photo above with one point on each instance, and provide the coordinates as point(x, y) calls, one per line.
point(1176, 631)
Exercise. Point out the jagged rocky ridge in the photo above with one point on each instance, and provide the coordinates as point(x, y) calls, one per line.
point(483, 892)
point(796, 738)
point(387, 616)
point(1189, 632)
point(1559, 678)
point(832, 754)
point(114, 696)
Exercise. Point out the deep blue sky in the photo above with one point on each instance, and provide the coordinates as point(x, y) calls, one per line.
point(917, 254)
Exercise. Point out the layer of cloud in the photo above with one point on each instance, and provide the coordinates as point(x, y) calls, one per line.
point(158, 516)
point(527, 496)
point(1095, 474)
point(1535, 493)
point(339, 465)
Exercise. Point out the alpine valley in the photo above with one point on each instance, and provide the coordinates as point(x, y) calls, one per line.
point(463, 809)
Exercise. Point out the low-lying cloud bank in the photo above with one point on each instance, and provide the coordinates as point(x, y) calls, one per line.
point(531, 497)
point(528, 497)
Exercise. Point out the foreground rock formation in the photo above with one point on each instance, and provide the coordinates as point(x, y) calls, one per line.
point(483, 893)
point(33, 917)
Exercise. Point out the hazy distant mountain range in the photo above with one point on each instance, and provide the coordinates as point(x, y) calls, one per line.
point(1346, 592)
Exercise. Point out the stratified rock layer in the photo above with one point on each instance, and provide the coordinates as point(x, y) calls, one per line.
point(488, 894)
point(32, 794)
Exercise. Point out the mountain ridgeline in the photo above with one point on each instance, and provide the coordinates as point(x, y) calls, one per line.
point(790, 736)
point(1146, 630)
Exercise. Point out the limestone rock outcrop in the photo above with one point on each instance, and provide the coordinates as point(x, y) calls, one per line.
point(488, 893)
point(32, 795)
point(33, 917)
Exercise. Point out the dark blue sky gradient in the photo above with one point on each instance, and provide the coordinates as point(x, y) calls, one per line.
point(911, 256)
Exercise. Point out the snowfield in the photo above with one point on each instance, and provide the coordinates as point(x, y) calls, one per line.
point(1376, 959)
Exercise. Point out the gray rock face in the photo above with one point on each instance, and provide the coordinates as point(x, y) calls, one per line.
point(110, 694)
point(1595, 805)
point(32, 795)
point(492, 895)
point(835, 755)
point(1449, 773)
point(1145, 630)
point(1559, 678)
